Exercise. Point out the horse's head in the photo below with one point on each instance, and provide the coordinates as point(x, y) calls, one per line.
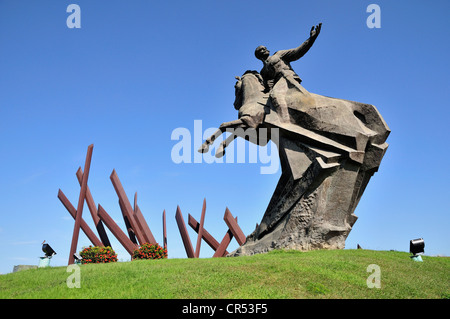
point(246, 87)
point(238, 93)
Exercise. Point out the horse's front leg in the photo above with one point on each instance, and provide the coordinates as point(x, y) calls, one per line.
point(222, 128)
point(221, 149)
point(205, 146)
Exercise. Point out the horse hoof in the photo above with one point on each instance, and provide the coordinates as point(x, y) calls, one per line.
point(220, 153)
point(203, 149)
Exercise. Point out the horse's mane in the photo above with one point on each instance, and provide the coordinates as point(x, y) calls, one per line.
point(239, 90)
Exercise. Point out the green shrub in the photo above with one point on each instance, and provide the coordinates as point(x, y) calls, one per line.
point(97, 255)
point(150, 251)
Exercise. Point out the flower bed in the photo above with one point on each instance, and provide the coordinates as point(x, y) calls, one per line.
point(97, 255)
point(150, 251)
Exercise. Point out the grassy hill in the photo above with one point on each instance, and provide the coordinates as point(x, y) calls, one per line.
point(278, 274)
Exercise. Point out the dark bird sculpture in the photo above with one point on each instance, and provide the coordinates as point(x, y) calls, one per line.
point(49, 252)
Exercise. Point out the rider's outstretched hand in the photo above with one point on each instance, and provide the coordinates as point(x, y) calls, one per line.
point(315, 30)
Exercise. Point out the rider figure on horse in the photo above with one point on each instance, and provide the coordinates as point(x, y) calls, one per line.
point(277, 72)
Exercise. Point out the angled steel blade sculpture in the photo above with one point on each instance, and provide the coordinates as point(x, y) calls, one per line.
point(184, 234)
point(137, 227)
point(128, 210)
point(234, 227)
point(76, 229)
point(143, 226)
point(117, 232)
point(130, 230)
point(200, 230)
point(86, 229)
point(219, 248)
point(207, 237)
point(93, 209)
point(164, 230)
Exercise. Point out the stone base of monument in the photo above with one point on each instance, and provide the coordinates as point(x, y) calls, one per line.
point(316, 209)
point(308, 218)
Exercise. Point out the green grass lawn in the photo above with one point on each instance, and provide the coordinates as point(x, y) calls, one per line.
point(278, 274)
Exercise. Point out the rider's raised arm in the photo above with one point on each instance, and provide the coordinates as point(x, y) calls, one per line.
point(297, 53)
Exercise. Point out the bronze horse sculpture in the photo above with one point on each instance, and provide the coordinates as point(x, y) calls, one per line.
point(346, 119)
point(329, 148)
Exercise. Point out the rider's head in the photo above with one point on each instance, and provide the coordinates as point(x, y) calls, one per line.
point(262, 53)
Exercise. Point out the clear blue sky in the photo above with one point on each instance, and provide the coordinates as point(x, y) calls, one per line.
point(137, 70)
